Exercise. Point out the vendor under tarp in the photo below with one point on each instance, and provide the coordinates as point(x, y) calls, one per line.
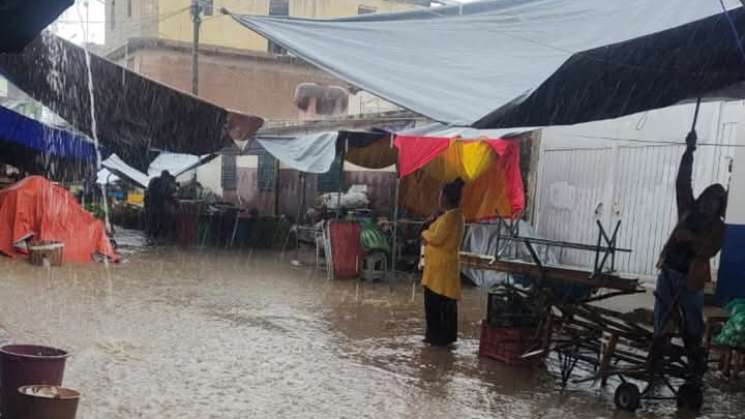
point(35, 209)
point(490, 167)
point(512, 63)
point(133, 113)
point(40, 149)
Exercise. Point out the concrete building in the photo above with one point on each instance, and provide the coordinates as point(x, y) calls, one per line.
point(238, 68)
point(248, 81)
point(171, 19)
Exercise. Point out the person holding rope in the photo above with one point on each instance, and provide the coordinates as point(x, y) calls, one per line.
point(684, 261)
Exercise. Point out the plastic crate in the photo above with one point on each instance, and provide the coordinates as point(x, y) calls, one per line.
point(507, 344)
point(507, 308)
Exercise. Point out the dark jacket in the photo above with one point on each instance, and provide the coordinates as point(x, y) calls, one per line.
point(695, 239)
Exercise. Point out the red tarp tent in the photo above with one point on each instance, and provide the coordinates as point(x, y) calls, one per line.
point(41, 210)
point(490, 168)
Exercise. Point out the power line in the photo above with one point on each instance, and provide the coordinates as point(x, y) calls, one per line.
point(652, 141)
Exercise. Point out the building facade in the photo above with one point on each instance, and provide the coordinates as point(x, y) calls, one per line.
point(238, 69)
point(172, 19)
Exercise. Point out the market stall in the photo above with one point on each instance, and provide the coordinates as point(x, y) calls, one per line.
point(423, 163)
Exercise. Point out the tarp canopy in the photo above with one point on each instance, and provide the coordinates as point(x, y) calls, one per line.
point(22, 20)
point(133, 114)
point(490, 168)
point(315, 153)
point(36, 209)
point(40, 149)
point(106, 176)
point(117, 166)
point(176, 164)
point(513, 63)
point(312, 153)
point(373, 149)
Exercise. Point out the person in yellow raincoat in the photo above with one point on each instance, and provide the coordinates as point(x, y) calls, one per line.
point(441, 277)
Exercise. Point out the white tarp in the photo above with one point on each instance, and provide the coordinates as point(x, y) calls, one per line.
point(174, 163)
point(106, 176)
point(313, 153)
point(122, 169)
point(513, 63)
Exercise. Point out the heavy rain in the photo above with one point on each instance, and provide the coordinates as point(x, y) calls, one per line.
point(372, 209)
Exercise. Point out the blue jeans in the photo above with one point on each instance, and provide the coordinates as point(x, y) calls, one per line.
point(670, 284)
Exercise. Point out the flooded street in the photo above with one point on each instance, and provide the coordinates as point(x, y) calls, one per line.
point(215, 334)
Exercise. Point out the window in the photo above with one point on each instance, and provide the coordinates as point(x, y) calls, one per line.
point(129, 8)
point(229, 173)
point(113, 15)
point(266, 176)
point(208, 7)
point(331, 181)
point(278, 8)
point(366, 10)
point(131, 63)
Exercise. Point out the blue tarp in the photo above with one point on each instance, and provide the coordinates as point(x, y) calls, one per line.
point(26, 132)
point(41, 149)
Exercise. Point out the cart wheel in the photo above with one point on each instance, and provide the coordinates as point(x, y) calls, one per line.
point(690, 396)
point(627, 397)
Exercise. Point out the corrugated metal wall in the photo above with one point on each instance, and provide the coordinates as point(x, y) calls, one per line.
point(634, 183)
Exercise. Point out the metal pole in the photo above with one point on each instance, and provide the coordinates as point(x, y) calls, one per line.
point(196, 12)
point(276, 187)
point(394, 248)
point(341, 179)
point(298, 222)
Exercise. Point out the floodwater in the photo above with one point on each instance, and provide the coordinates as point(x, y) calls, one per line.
point(184, 334)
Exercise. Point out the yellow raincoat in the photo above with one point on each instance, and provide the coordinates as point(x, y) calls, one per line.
point(441, 265)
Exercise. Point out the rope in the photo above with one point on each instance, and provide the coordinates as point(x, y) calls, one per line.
point(732, 26)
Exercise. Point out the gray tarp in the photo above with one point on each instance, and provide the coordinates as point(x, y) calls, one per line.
point(312, 153)
point(512, 63)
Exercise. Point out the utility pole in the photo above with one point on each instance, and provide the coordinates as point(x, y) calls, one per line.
point(196, 14)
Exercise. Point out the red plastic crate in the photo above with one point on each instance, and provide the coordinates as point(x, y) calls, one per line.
point(507, 344)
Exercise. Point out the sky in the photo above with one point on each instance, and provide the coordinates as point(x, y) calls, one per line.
point(84, 13)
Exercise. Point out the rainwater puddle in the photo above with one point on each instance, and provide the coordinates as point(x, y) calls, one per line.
point(218, 334)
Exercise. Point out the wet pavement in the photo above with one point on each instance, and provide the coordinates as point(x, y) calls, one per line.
point(178, 333)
